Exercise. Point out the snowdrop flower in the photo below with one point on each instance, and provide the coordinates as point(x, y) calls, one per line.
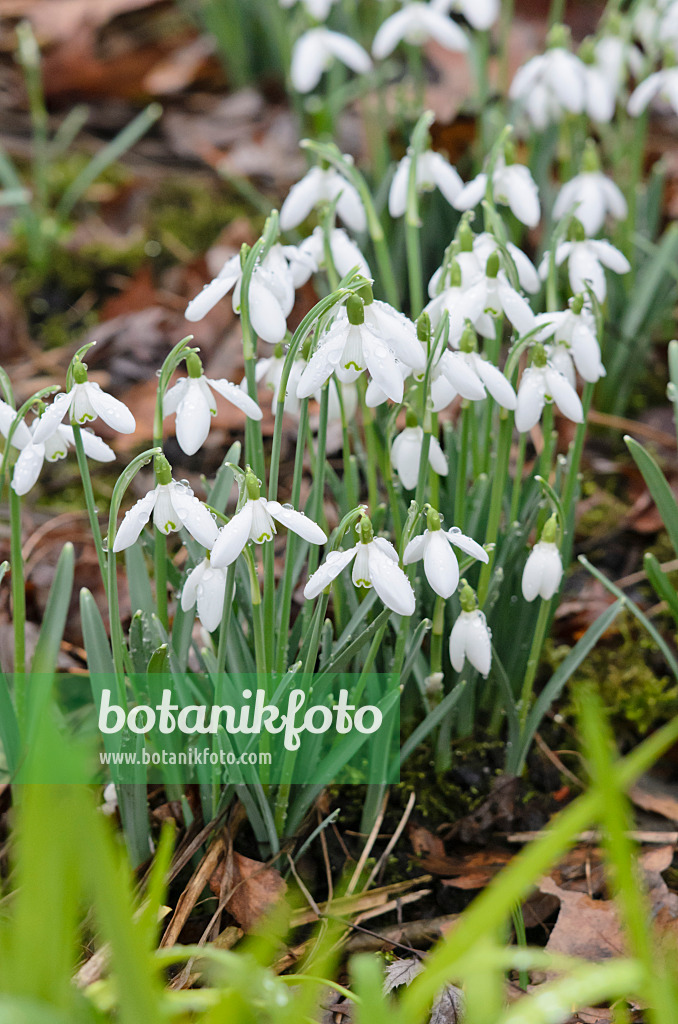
point(433, 171)
point(315, 50)
point(499, 296)
point(485, 244)
point(544, 568)
point(255, 522)
point(172, 505)
point(512, 186)
point(22, 434)
point(591, 195)
point(663, 84)
point(323, 185)
point(85, 401)
point(352, 345)
point(406, 452)
point(480, 14)
point(586, 259)
point(375, 564)
point(470, 637)
point(308, 257)
point(474, 377)
point(205, 586)
point(617, 57)
point(318, 9)
point(440, 563)
point(53, 447)
point(574, 332)
point(542, 383)
point(551, 84)
point(271, 294)
point(460, 301)
point(192, 400)
point(415, 23)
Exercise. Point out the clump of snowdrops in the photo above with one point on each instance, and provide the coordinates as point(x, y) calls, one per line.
point(433, 547)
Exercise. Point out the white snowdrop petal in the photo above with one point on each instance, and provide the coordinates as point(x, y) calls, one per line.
point(461, 376)
point(467, 544)
point(515, 306)
point(415, 549)
point(232, 537)
point(397, 196)
point(111, 410)
point(564, 395)
point(27, 468)
point(301, 199)
point(440, 564)
point(390, 582)
point(406, 456)
point(348, 51)
point(382, 366)
point(446, 177)
point(236, 396)
point(94, 447)
point(173, 396)
point(350, 207)
point(437, 458)
point(531, 397)
point(496, 383)
point(134, 521)
point(335, 562)
point(194, 418)
point(266, 314)
point(207, 299)
point(471, 194)
point(458, 642)
point(211, 592)
point(52, 417)
point(22, 435)
point(189, 593)
point(193, 515)
point(390, 33)
point(309, 60)
point(297, 522)
point(478, 643)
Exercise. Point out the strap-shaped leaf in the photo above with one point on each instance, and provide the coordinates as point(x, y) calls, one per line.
point(662, 495)
point(56, 612)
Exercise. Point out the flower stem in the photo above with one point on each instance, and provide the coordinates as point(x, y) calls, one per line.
point(372, 454)
point(89, 502)
point(437, 635)
point(225, 619)
point(518, 478)
point(533, 661)
point(496, 499)
point(572, 478)
point(288, 581)
point(462, 466)
point(18, 607)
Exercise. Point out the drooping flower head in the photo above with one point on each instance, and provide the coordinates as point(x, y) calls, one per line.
point(406, 453)
point(587, 259)
point(540, 383)
point(591, 195)
point(440, 563)
point(544, 567)
point(552, 83)
point(314, 52)
point(415, 23)
point(512, 186)
point(375, 564)
point(369, 335)
point(470, 638)
point(433, 171)
point(85, 402)
point(255, 522)
point(173, 506)
point(323, 185)
point(192, 399)
point(205, 586)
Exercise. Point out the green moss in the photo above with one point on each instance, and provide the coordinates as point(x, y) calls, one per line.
point(189, 215)
point(628, 673)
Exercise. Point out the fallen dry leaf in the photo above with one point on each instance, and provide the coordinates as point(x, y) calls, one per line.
point(585, 928)
point(254, 888)
point(651, 794)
